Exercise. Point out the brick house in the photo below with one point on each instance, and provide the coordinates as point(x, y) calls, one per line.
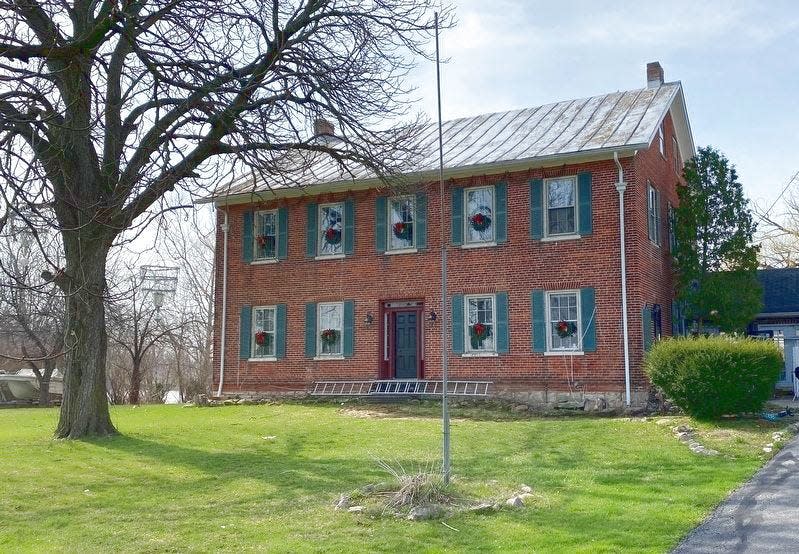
point(340, 279)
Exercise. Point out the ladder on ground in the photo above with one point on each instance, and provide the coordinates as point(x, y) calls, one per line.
point(399, 387)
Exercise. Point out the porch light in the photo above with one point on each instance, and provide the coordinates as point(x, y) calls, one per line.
point(369, 319)
point(433, 316)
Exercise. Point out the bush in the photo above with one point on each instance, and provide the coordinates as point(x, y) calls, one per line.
point(711, 376)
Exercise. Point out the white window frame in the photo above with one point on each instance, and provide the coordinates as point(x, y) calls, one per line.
point(578, 349)
point(677, 157)
point(653, 214)
point(327, 355)
point(467, 339)
point(254, 329)
point(466, 227)
point(320, 208)
point(573, 233)
point(255, 247)
point(661, 141)
point(390, 226)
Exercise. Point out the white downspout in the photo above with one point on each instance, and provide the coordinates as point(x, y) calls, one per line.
point(222, 341)
point(621, 186)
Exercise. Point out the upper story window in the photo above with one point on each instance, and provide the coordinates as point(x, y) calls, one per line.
point(263, 329)
point(331, 229)
point(561, 212)
point(479, 212)
point(653, 214)
point(265, 235)
point(661, 141)
point(480, 318)
point(677, 157)
point(563, 320)
point(330, 328)
point(672, 222)
point(402, 223)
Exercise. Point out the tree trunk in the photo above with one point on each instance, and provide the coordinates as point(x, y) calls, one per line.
point(135, 383)
point(44, 391)
point(84, 409)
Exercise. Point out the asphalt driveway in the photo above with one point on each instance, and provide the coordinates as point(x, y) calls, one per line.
point(761, 516)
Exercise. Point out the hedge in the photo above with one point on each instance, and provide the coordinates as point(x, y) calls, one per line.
point(712, 376)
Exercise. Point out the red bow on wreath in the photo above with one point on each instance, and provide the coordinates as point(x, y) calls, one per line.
point(479, 328)
point(260, 338)
point(330, 233)
point(478, 219)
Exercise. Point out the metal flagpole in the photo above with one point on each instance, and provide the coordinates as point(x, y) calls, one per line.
point(445, 466)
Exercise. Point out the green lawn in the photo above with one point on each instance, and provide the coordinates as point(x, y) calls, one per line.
point(197, 479)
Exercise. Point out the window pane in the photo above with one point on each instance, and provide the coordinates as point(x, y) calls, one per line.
point(265, 235)
point(480, 324)
point(560, 206)
point(401, 227)
point(480, 215)
point(331, 229)
point(330, 327)
point(563, 321)
point(264, 332)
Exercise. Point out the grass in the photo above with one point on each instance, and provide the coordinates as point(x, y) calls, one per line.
point(264, 478)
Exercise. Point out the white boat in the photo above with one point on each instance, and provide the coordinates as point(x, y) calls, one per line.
point(23, 384)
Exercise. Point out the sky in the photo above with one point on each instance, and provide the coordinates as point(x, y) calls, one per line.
point(738, 63)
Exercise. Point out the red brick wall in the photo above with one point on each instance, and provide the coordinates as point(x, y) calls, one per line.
point(517, 266)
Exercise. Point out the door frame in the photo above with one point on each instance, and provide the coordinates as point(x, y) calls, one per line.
point(388, 308)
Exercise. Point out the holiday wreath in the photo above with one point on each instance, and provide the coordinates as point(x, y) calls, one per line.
point(332, 235)
point(565, 329)
point(480, 222)
point(402, 230)
point(329, 337)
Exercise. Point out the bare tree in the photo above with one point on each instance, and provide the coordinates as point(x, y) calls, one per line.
point(107, 106)
point(779, 230)
point(31, 311)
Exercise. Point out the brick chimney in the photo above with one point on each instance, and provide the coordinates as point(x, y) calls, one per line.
point(323, 127)
point(654, 75)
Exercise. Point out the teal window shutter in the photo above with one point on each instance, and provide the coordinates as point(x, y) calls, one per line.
point(310, 330)
point(502, 343)
point(310, 230)
point(280, 331)
point(245, 332)
point(348, 333)
point(421, 220)
point(501, 212)
point(539, 320)
point(537, 209)
point(457, 324)
point(380, 223)
point(584, 200)
point(349, 226)
point(246, 235)
point(457, 216)
point(282, 233)
point(648, 330)
point(588, 318)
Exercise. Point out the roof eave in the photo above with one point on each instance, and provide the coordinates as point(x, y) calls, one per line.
point(427, 175)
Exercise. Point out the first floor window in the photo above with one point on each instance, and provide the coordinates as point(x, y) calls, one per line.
point(331, 229)
point(561, 206)
point(265, 235)
point(563, 320)
point(401, 216)
point(653, 214)
point(480, 324)
point(263, 326)
point(329, 329)
point(479, 214)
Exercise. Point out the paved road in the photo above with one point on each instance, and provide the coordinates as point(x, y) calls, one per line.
point(761, 516)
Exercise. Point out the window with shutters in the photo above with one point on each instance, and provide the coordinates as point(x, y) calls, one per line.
point(561, 206)
point(331, 229)
point(330, 328)
point(653, 214)
point(265, 235)
point(676, 155)
point(661, 141)
point(401, 223)
point(563, 321)
point(480, 317)
point(479, 215)
point(672, 215)
point(263, 332)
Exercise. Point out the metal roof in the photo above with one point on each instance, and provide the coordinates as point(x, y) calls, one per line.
point(599, 124)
